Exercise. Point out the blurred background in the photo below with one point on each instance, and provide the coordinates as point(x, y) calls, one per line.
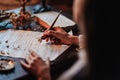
point(65, 5)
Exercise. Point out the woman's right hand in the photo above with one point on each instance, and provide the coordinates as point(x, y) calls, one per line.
point(61, 35)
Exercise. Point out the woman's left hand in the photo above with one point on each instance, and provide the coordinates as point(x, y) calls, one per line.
point(36, 66)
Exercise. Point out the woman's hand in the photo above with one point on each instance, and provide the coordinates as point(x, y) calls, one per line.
point(36, 66)
point(61, 35)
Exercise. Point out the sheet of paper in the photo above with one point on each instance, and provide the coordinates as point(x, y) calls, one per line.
point(17, 43)
point(50, 16)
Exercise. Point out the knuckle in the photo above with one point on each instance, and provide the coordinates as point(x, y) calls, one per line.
point(31, 63)
point(38, 58)
point(35, 59)
point(50, 31)
point(29, 67)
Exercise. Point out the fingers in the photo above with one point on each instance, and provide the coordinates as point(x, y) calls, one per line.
point(33, 54)
point(55, 36)
point(24, 64)
point(49, 32)
point(49, 35)
point(30, 59)
point(47, 39)
point(59, 29)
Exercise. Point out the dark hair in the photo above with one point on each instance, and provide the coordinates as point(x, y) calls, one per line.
point(100, 22)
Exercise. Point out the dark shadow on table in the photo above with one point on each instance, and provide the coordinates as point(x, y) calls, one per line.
point(63, 62)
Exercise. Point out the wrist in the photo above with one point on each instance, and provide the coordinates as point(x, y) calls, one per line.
point(74, 40)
